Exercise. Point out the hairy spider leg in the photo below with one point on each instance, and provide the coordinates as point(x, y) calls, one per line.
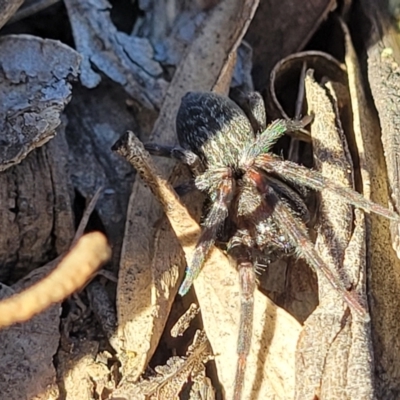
point(214, 220)
point(296, 232)
point(177, 153)
point(247, 280)
point(284, 189)
point(303, 176)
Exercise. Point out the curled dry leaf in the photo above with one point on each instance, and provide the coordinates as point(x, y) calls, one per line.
point(291, 283)
point(286, 72)
point(142, 307)
point(291, 24)
point(334, 360)
point(34, 82)
point(171, 378)
point(384, 265)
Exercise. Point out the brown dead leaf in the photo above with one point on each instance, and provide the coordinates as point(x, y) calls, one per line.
point(384, 266)
point(172, 377)
point(383, 72)
point(334, 349)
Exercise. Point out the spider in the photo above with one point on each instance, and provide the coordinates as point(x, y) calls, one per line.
point(254, 196)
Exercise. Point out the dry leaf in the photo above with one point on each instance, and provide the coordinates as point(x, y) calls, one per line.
point(334, 349)
point(384, 266)
point(171, 378)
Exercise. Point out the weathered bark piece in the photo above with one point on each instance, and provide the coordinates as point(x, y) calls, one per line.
point(28, 349)
point(139, 315)
point(127, 60)
point(384, 265)
point(334, 350)
point(34, 89)
point(170, 27)
point(36, 218)
point(96, 119)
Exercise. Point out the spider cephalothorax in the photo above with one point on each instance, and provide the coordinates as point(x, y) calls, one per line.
point(230, 154)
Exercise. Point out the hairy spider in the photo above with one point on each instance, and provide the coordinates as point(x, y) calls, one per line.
point(230, 155)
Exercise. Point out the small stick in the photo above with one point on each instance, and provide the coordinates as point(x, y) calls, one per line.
point(184, 226)
point(75, 269)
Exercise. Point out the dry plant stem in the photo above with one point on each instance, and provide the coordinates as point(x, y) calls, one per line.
point(187, 230)
point(75, 269)
point(86, 215)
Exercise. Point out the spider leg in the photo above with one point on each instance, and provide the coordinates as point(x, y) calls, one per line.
point(239, 248)
point(296, 233)
point(281, 187)
point(214, 220)
point(253, 106)
point(267, 139)
point(247, 280)
point(314, 180)
point(177, 153)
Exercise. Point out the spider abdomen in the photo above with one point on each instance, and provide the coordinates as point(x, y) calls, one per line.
point(214, 127)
